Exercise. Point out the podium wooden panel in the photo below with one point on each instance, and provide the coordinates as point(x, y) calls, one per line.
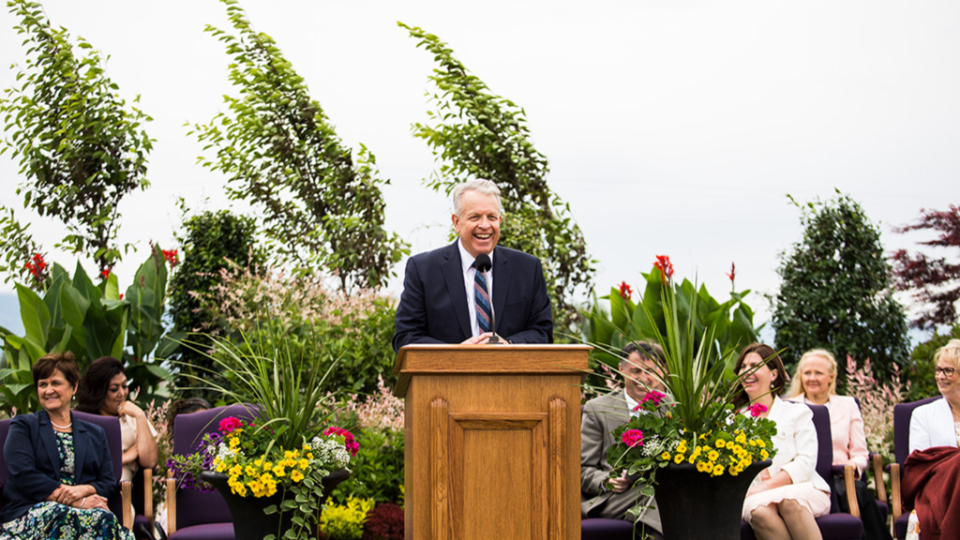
point(492, 441)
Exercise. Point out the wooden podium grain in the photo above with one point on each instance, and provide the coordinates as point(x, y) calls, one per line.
point(492, 441)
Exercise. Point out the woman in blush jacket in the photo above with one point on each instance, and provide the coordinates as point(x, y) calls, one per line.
point(815, 383)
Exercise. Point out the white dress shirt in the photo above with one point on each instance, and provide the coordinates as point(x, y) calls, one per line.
point(932, 425)
point(469, 273)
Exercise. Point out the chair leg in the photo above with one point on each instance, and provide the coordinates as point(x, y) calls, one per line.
point(148, 494)
point(126, 491)
point(851, 491)
point(171, 504)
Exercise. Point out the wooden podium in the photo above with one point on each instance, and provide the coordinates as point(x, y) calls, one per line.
point(492, 441)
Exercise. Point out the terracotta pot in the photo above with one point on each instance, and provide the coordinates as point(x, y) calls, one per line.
point(249, 521)
point(694, 505)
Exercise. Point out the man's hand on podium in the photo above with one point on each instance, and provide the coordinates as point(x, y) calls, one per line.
point(482, 339)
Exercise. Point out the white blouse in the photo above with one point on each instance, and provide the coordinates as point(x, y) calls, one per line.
point(796, 443)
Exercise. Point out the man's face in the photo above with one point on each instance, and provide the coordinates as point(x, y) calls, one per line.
point(478, 223)
point(639, 376)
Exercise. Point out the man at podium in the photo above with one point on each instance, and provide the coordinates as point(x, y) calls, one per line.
point(600, 495)
point(446, 299)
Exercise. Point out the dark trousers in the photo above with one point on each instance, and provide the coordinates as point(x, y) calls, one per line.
point(874, 526)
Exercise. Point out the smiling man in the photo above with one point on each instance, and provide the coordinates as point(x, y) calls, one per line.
point(445, 301)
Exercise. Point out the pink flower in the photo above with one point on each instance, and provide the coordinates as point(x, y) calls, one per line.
point(757, 409)
point(229, 424)
point(348, 441)
point(655, 397)
point(632, 438)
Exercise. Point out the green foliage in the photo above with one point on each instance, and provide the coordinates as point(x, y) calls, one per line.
point(835, 293)
point(377, 470)
point(91, 321)
point(730, 324)
point(207, 241)
point(79, 146)
point(280, 153)
point(345, 522)
point(348, 333)
point(478, 134)
point(920, 373)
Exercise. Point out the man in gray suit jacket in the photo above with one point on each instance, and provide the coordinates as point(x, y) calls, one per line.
point(600, 495)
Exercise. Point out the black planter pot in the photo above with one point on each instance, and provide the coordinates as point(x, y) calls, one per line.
point(694, 505)
point(249, 521)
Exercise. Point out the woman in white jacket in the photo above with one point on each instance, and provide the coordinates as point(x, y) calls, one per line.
point(784, 499)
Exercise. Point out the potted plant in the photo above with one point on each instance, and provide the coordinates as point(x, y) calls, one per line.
point(696, 454)
point(276, 469)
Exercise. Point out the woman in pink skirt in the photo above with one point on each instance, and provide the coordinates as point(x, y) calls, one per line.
point(784, 499)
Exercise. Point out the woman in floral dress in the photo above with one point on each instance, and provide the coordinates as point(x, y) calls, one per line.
point(59, 470)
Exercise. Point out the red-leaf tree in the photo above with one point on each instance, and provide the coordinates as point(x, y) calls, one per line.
point(934, 283)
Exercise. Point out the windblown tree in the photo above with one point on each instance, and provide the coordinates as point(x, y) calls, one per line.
point(320, 207)
point(933, 282)
point(477, 134)
point(81, 149)
point(836, 290)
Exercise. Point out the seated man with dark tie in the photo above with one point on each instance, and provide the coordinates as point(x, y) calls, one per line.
point(446, 300)
point(600, 495)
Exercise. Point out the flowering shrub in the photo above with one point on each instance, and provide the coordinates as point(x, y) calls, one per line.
point(381, 410)
point(157, 416)
point(345, 522)
point(37, 268)
point(876, 404)
point(384, 522)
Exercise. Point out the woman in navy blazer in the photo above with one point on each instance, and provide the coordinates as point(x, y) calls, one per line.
point(59, 471)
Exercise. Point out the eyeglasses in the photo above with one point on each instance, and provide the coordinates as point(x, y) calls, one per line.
point(946, 371)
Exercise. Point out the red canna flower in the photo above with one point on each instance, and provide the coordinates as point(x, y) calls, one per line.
point(733, 272)
point(665, 266)
point(171, 256)
point(121, 296)
point(38, 260)
point(106, 273)
point(625, 290)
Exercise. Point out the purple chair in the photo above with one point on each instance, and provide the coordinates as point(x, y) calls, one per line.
point(902, 414)
point(196, 515)
point(605, 529)
point(836, 525)
point(4, 429)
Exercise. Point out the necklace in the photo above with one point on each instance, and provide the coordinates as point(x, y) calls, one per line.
point(59, 426)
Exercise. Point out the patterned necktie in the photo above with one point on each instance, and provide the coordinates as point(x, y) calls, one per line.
point(482, 300)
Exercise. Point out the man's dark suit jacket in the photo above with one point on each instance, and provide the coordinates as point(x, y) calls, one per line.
point(33, 462)
point(433, 307)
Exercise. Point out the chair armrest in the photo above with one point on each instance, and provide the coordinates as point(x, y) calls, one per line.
point(838, 470)
point(171, 504)
point(148, 494)
point(849, 474)
point(895, 488)
point(877, 462)
point(126, 497)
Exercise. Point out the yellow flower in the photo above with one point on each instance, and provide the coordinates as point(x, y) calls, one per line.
point(267, 466)
point(221, 466)
point(665, 456)
point(742, 438)
point(761, 444)
point(764, 454)
point(278, 470)
point(239, 489)
point(713, 455)
point(753, 442)
point(234, 442)
point(718, 470)
point(236, 470)
point(309, 455)
point(721, 443)
point(304, 464)
point(678, 459)
point(296, 476)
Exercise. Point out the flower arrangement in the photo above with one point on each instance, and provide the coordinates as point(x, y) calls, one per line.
point(698, 425)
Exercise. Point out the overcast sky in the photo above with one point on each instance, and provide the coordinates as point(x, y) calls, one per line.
point(672, 127)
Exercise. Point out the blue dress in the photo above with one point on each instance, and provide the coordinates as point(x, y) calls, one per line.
point(48, 520)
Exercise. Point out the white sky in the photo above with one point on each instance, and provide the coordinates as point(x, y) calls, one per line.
point(672, 127)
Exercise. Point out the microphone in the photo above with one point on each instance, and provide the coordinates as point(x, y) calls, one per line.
point(483, 265)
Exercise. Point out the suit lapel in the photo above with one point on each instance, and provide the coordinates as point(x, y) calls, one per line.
point(50, 442)
point(452, 268)
point(501, 281)
point(79, 446)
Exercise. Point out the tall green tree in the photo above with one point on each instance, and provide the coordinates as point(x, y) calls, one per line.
point(207, 242)
point(320, 207)
point(836, 290)
point(477, 134)
point(81, 148)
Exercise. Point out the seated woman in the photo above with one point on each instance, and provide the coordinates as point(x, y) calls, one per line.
point(103, 390)
point(933, 467)
point(815, 382)
point(784, 499)
point(59, 471)
point(185, 406)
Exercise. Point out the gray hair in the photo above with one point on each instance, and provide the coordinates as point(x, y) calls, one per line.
point(479, 185)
